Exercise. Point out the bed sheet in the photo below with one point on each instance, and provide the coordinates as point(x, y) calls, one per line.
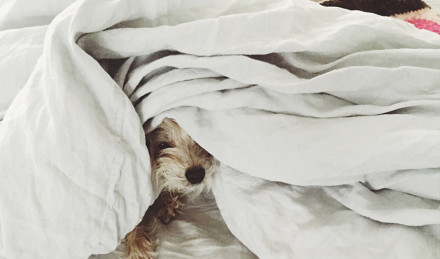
point(328, 140)
point(199, 232)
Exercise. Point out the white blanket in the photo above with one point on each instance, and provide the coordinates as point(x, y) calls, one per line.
point(325, 121)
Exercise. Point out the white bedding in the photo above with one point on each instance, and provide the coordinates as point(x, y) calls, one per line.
point(328, 138)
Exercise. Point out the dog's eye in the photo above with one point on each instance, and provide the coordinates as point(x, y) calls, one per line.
point(163, 145)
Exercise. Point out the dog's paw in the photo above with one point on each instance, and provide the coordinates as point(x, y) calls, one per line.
point(171, 207)
point(168, 213)
point(138, 244)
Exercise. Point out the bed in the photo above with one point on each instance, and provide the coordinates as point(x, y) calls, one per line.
point(325, 122)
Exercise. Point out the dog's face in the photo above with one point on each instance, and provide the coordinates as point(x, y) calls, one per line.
point(179, 164)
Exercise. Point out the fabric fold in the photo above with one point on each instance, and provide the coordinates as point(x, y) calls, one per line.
point(300, 104)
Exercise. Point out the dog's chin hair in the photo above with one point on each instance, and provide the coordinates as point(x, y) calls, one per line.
point(171, 177)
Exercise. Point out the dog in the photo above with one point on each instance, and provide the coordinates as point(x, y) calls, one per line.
point(182, 170)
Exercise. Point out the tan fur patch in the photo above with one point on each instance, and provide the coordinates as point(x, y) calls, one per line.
point(172, 152)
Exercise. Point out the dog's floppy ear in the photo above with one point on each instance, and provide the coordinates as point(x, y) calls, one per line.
point(147, 134)
point(147, 142)
point(148, 139)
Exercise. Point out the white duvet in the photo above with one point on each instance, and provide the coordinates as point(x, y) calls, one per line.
point(325, 121)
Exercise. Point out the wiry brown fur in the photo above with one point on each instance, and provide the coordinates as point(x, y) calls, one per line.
point(172, 153)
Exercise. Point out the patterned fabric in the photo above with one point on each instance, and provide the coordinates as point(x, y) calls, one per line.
point(415, 12)
point(425, 24)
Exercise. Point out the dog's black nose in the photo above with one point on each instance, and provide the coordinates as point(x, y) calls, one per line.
point(195, 175)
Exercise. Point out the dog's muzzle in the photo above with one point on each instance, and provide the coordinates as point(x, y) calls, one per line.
point(195, 175)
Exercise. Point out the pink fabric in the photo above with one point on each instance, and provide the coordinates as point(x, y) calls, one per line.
point(425, 24)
